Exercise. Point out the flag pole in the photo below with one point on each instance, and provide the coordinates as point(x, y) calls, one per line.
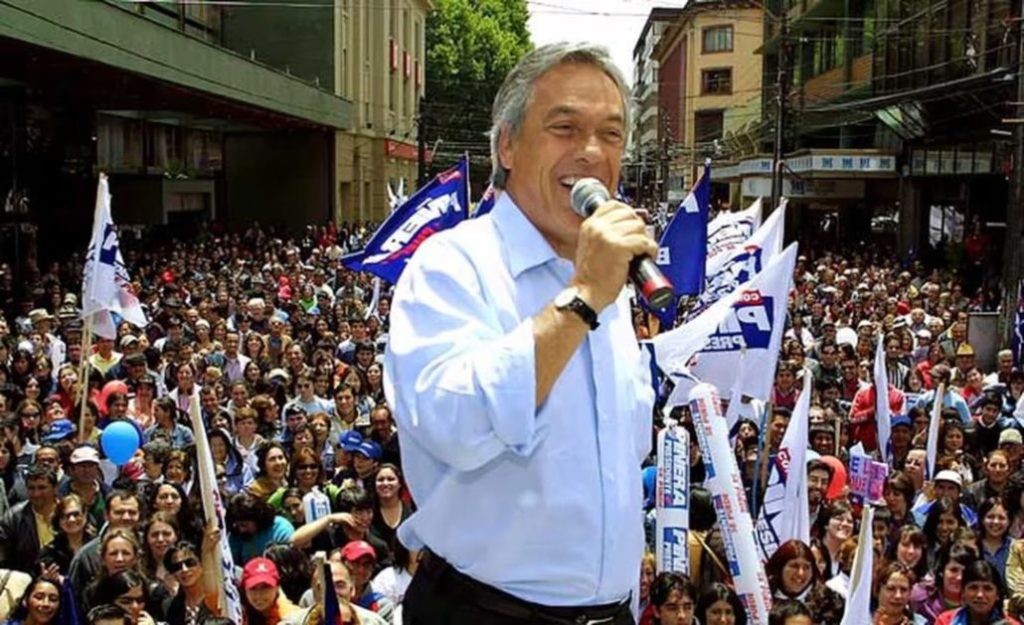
point(212, 563)
point(83, 377)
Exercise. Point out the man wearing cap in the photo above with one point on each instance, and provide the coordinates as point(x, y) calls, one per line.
point(360, 559)
point(1012, 442)
point(84, 480)
point(949, 484)
point(923, 342)
point(965, 362)
point(42, 322)
point(900, 437)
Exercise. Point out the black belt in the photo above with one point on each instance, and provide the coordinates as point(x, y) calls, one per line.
point(490, 599)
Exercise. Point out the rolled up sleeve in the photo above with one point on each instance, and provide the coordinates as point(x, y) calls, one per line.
point(459, 370)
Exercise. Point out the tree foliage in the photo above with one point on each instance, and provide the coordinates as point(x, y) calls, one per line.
point(471, 46)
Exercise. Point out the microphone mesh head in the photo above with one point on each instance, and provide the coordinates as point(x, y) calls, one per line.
point(586, 195)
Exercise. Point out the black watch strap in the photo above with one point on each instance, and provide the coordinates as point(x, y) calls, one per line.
point(581, 308)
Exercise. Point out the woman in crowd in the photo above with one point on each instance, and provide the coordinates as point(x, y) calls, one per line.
point(224, 453)
point(719, 605)
point(943, 519)
point(196, 597)
point(159, 533)
point(128, 590)
point(792, 574)
point(908, 549)
point(263, 603)
point(71, 530)
point(272, 462)
point(39, 604)
point(952, 441)
point(930, 597)
point(390, 507)
point(892, 590)
point(836, 525)
point(993, 535)
point(983, 595)
point(789, 612)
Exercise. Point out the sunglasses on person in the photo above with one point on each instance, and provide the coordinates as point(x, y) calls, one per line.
point(307, 467)
point(180, 565)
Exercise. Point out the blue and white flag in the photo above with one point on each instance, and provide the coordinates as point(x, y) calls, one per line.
point(728, 270)
point(932, 445)
point(441, 204)
point(683, 245)
point(727, 230)
point(858, 599)
point(785, 513)
point(487, 201)
point(672, 501)
point(883, 419)
point(1017, 341)
point(106, 285)
point(218, 563)
point(726, 487)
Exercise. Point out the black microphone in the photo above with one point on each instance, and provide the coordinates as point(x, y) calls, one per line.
point(588, 194)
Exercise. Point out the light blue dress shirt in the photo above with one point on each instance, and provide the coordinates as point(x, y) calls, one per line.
point(545, 504)
point(951, 399)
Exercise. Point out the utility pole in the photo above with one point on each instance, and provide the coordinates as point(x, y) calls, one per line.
point(1012, 253)
point(781, 89)
point(421, 143)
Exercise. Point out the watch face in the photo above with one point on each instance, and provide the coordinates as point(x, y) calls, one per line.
point(564, 298)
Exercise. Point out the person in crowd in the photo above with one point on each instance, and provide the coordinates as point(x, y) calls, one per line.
point(25, 530)
point(262, 599)
point(40, 604)
point(253, 526)
point(983, 595)
point(892, 590)
point(673, 599)
point(931, 596)
point(72, 529)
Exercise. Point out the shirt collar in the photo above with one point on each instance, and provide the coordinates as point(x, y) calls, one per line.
point(527, 248)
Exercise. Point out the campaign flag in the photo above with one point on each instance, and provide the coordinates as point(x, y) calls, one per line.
point(219, 563)
point(723, 482)
point(683, 246)
point(106, 285)
point(882, 417)
point(371, 310)
point(1017, 341)
point(932, 446)
point(441, 204)
point(858, 599)
point(332, 609)
point(672, 501)
point(726, 271)
point(487, 201)
point(740, 333)
point(785, 513)
point(727, 230)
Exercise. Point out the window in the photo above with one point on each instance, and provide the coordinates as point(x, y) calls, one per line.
point(717, 39)
point(716, 81)
point(707, 126)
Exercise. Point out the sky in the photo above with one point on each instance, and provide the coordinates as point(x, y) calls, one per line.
point(614, 23)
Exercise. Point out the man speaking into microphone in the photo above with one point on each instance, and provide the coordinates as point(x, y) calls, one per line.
point(522, 399)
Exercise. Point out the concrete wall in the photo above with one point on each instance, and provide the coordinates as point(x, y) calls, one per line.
point(299, 40)
point(278, 178)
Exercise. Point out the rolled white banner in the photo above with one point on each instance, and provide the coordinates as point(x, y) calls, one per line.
point(672, 501)
point(726, 488)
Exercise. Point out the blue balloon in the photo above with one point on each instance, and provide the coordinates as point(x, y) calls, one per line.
point(119, 441)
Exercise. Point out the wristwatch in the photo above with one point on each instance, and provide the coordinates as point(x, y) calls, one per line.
point(570, 300)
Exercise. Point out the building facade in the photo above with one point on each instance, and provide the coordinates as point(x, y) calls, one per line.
point(370, 54)
point(709, 85)
point(189, 130)
point(645, 152)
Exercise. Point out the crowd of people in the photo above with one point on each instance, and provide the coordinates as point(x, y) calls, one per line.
point(282, 348)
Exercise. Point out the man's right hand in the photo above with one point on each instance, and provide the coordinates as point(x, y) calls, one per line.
point(608, 241)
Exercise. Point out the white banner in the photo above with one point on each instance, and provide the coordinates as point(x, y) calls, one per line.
point(726, 271)
point(726, 488)
point(785, 513)
point(106, 286)
point(882, 417)
point(858, 600)
point(727, 230)
point(672, 501)
point(740, 333)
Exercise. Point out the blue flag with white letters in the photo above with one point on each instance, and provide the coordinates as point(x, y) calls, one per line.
point(683, 249)
point(439, 205)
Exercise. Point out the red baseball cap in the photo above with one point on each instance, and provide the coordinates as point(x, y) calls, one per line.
point(357, 549)
point(260, 571)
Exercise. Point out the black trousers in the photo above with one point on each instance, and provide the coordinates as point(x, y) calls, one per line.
point(440, 595)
